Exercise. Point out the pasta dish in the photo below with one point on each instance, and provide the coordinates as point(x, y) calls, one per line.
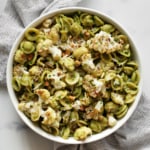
point(75, 75)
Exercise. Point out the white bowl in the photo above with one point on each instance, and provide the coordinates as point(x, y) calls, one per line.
point(37, 129)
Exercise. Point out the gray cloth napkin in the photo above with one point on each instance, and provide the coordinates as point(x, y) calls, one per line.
point(134, 135)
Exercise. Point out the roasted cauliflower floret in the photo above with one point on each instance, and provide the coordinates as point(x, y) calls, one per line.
point(19, 70)
point(43, 47)
point(35, 70)
point(103, 42)
point(20, 57)
point(111, 120)
point(49, 116)
point(82, 133)
point(54, 34)
point(87, 63)
point(32, 109)
point(117, 98)
point(44, 94)
point(93, 86)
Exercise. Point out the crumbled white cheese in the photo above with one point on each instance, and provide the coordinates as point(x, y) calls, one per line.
point(36, 108)
point(56, 75)
point(117, 98)
point(104, 43)
point(25, 72)
point(99, 106)
point(77, 105)
point(55, 51)
point(29, 105)
point(116, 82)
point(98, 84)
point(72, 44)
point(87, 62)
point(111, 121)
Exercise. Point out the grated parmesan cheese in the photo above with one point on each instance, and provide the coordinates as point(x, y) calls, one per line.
point(103, 42)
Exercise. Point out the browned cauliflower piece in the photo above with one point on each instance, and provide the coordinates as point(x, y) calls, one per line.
point(82, 133)
point(94, 87)
point(44, 94)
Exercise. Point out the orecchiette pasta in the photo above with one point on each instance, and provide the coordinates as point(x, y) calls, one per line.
point(75, 75)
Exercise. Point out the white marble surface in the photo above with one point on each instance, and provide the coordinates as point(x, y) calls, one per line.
point(134, 16)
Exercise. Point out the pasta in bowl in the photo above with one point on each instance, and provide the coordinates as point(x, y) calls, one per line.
point(75, 75)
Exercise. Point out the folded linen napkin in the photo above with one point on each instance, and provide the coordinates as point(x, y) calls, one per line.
point(134, 135)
